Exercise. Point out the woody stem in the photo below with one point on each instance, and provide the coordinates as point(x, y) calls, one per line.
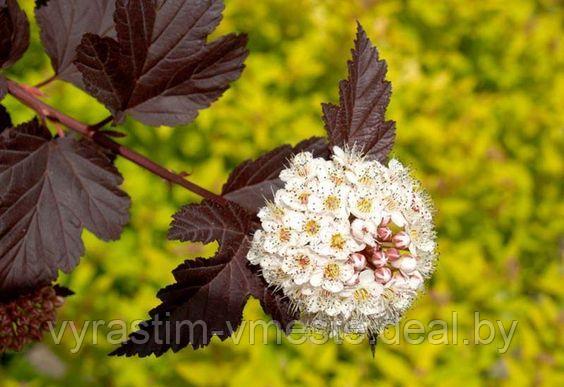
point(91, 131)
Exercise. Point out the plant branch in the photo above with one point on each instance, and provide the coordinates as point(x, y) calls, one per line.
point(44, 110)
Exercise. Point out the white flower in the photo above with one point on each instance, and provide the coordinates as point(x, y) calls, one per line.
point(272, 215)
point(333, 199)
point(302, 168)
point(278, 238)
point(337, 242)
point(256, 253)
point(406, 264)
point(364, 231)
point(345, 159)
point(322, 302)
point(311, 227)
point(273, 272)
point(421, 237)
point(299, 264)
point(398, 176)
point(363, 204)
point(331, 275)
point(299, 198)
point(333, 174)
point(349, 241)
point(365, 174)
point(367, 294)
point(392, 205)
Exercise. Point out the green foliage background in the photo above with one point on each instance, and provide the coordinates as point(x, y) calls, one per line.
point(478, 91)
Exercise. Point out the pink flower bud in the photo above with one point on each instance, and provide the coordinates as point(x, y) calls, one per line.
point(384, 233)
point(353, 280)
point(379, 259)
point(383, 275)
point(358, 261)
point(364, 231)
point(392, 254)
point(401, 240)
point(415, 280)
point(398, 280)
point(406, 264)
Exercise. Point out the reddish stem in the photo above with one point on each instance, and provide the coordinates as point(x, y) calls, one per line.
point(24, 96)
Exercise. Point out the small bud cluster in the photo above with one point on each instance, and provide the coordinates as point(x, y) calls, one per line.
point(349, 241)
point(25, 319)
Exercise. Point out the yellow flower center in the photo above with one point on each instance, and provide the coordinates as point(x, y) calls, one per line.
point(413, 233)
point(311, 227)
point(303, 197)
point(302, 171)
point(284, 234)
point(332, 202)
point(277, 211)
point(390, 203)
point(302, 260)
point(365, 179)
point(364, 205)
point(332, 271)
point(336, 179)
point(361, 294)
point(337, 242)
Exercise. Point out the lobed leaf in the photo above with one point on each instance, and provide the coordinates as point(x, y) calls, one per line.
point(208, 300)
point(209, 295)
point(53, 189)
point(254, 182)
point(208, 222)
point(14, 33)
point(275, 304)
point(160, 70)
point(359, 119)
point(64, 22)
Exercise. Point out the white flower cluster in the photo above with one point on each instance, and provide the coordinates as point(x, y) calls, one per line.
point(349, 241)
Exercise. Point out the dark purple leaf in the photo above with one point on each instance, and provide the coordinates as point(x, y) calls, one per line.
point(330, 113)
point(209, 294)
point(63, 22)
point(53, 189)
point(134, 20)
point(160, 70)
point(102, 71)
point(207, 301)
point(62, 291)
point(276, 305)
point(212, 292)
point(254, 182)
point(359, 119)
point(208, 222)
point(5, 120)
point(14, 33)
